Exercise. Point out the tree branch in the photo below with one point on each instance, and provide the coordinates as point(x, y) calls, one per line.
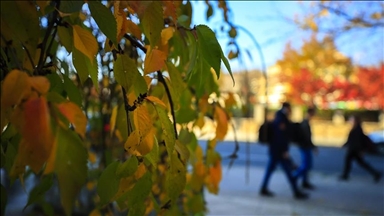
point(162, 80)
point(45, 40)
point(160, 77)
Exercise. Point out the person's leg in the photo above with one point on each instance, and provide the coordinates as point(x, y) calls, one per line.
point(292, 181)
point(360, 160)
point(300, 171)
point(271, 166)
point(307, 161)
point(347, 165)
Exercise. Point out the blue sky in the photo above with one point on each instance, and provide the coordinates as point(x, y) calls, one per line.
point(264, 20)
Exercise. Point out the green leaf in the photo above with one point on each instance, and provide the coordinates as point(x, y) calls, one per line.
point(121, 122)
point(21, 18)
point(176, 178)
point(85, 67)
point(227, 65)
point(177, 83)
point(209, 12)
point(104, 19)
point(125, 71)
point(2, 157)
point(71, 6)
point(209, 47)
point(38, 192)
point(85, 42)
point(108, 183)
point(153, 155)
point(11, 153)
point(70, 167)
point(153, 22)
point(72, 91)
point(140, 191)
point(127, 168)
point(3, 192)
point(65, 37)
point(56, 83)
point(185, 115)
point(138, 209)
point(168, 133)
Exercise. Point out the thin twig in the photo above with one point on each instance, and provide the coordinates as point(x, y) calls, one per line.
point(162, 80)
point(29, 56)
point(45, 40)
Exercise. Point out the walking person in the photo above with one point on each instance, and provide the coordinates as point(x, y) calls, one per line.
point(278, 152)
point(355, 149)
point(306, 147)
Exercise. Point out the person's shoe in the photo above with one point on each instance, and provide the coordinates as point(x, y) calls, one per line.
point(266, 192)
point(377, 177)
point(343, 178)
point(307, 185)
point(300, 195)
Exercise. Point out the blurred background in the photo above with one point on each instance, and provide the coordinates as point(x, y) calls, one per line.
point(323, 53)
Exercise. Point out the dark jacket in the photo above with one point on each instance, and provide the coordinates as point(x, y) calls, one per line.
point(280, 140)
point(355, 141)
point(306, 139)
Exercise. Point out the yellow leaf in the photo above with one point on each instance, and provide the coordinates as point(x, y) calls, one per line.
point(38, 140)
point(74, 115)
point(222, 123)
point(85, 42)
point(132, 142)
point(15, 86)
point(200, 121)
point(154, 61)
point(133, 29)
point(50, 165)
point(40, 84)
point(92, 157)
point(230, 101)
point(167, 34)
point(141, 170)
point(146, 145)
point(113, 119)
point(95, 212)
point(142, 121)
point(90, 185)
point(156, 100)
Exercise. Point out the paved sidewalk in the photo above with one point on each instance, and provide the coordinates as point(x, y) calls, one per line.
point(358, 196)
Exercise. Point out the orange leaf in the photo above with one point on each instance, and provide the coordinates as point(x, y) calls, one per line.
point(154, 61)
point(74, 115)
point(222, 123)
point(15, 86)
point(40, 84)
point(36, 145)
point(133, 29)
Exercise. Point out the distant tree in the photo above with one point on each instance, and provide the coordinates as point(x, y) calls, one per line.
point(309, 70)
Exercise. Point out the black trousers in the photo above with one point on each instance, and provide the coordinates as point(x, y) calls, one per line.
point(360, 160)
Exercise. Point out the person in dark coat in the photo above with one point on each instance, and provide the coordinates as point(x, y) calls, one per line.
point(278, 152)
point(306, 147)
point(355, 149)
